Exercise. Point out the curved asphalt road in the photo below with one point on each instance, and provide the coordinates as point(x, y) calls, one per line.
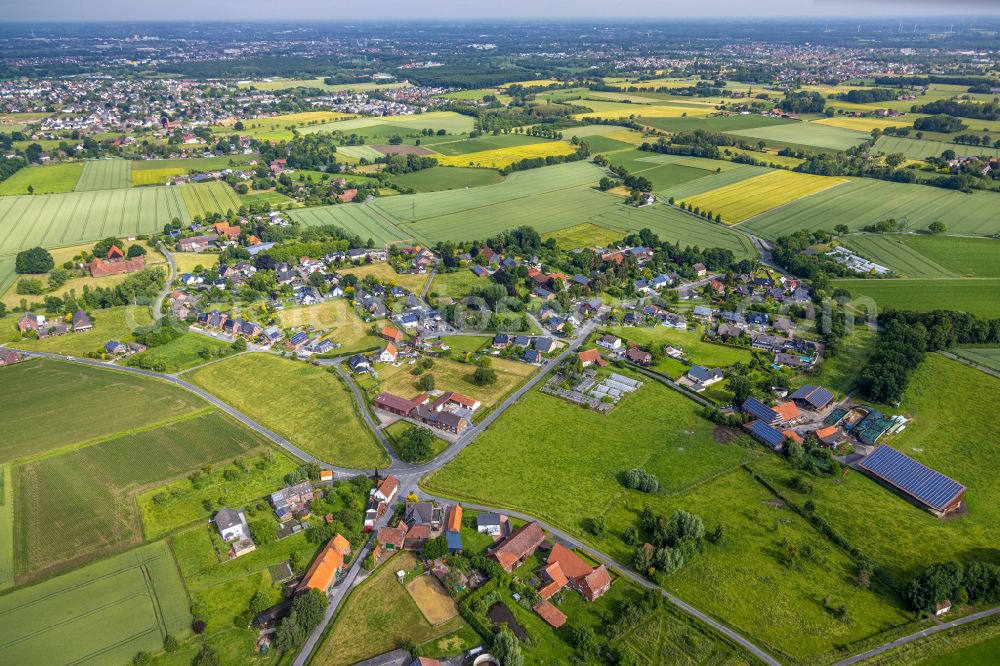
point(158, 304)
point(409, 476)
point(626, 571)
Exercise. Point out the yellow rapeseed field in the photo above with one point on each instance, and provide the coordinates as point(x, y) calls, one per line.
point(155, 176)
point(613, 110)
point(866, 124)
point(502, 157)
point(743, 200)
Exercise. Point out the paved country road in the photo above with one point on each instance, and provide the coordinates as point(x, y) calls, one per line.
point(410, 475)
point(626, 571)
point(930, 631)
point(158, 304)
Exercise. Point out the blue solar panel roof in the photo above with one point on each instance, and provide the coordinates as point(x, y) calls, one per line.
point(759, 410)
point(767, 434)
point(817, 396)
point(919, 481)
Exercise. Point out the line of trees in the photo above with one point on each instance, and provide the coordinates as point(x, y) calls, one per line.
point(978, 582)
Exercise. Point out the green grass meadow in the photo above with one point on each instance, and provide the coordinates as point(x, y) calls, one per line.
point(308, 405)
point(975, 296)
point(50, 179)
point(697, 472)
point(804, 135)
point(48, 405)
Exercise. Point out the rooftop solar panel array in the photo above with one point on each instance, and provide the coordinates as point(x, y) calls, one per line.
point(817, 396)
point(759, 410)
point(767, 434)
point(919, 481)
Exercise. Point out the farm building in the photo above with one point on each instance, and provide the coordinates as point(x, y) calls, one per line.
point(519, 546)
point(327, 567)
point(760, 411)
point(766, 434)
point(812, 397)
point(929, 488)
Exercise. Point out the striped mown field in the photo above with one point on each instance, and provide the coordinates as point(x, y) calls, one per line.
point(360, 219)
point(77, 217)
point(204, 198)
point(105, 175)
point(895, 253)
point(107, 611)
point(677, 227)
point(803, 134)
point(863, 202)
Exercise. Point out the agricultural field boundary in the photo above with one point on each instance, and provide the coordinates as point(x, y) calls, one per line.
point(76, 446)
point(6, 527)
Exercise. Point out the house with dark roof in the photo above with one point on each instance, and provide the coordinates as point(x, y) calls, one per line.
point(488, 523)
point(81, 322)
point(704, 376)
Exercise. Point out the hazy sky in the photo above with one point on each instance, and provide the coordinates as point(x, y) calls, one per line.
point(334, 10)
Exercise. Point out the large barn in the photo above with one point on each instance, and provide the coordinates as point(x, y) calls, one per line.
point(933, 490)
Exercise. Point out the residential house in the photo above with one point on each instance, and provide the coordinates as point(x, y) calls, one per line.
point(544, 345)
point(704, 376)
point(292, 500)
point(386, 489)
point(703, 312)
point(501, 340)
point(116, 263)
point(297, 340)
point(392, 334)
point(489, 523)
point(231, 524)
point(609, 342)
point(453, 528)
point(388, 354)
point(115, 348)
point(29, 321)
point(518, 546)
point(8, 357)
point(639, 356)
point(564, 567)
point(591, 357)
point(531, 356)
point(358, 364)
point(81, 322)
point(699, 269)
